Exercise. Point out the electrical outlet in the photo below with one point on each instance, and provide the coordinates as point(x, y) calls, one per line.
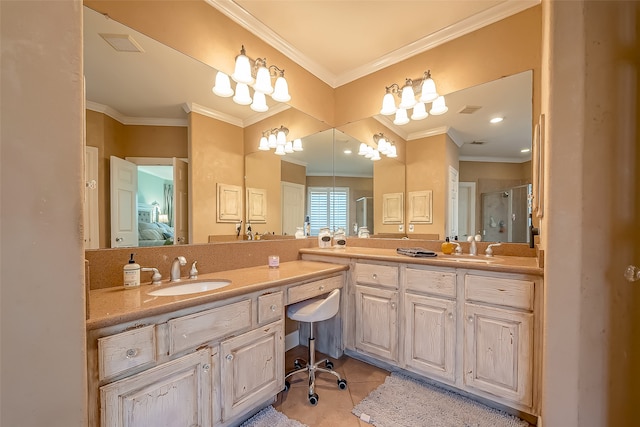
point(401, 228)
point(410, 228)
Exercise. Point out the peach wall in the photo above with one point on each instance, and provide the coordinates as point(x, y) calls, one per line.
point(294, 173)
point(389, 176)
point(216, 157)
point(263, 172)
point(42, 310)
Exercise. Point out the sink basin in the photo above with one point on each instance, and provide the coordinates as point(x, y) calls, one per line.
point(190, 288)
point(472, 259)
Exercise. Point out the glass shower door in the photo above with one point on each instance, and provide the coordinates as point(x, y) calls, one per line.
point(505, 215)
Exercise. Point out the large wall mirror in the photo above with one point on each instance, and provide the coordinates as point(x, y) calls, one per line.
point(145, 106)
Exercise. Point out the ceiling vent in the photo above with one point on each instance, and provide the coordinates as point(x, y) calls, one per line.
point(469, 109)
point(122, 42)
point(477, 142)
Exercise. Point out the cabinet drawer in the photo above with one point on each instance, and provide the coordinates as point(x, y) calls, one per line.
point(377, 274)
point(127, 350)
point(508, 292)
point(198, 328)
point(433, 282)
point(313, 289)
point(270, 307)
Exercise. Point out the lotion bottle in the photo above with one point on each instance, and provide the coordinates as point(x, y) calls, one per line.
point(131, 274)
point(448, 247)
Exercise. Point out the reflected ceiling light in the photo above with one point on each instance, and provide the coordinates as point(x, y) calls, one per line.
point(496, 120)
point(383, 146)
point(277, 138)
point(258, 75)
point(525, 150)
point(414, 94)
point(347, 151)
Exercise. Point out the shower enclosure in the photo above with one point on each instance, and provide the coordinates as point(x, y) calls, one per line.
point(505, 215)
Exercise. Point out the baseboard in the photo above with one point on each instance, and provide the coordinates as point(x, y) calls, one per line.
point(291, 340)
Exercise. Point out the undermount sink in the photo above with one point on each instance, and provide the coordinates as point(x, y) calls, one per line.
point(472, 259)
point(190, 288)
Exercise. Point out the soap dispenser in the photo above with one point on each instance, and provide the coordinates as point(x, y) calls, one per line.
point(448, 247)
point(131, 274)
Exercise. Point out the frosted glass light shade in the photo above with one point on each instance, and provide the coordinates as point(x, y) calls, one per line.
point(297, 145)
point(280, 150)
point(393, 153)
point(263, 81)
point(375, 156)
point(439, 107)
point(259, 102)
point(223, 85)
point(419, 112)
point(242, 71)
point(288, 147)
point(408, 99)
point(264, 144)
point(401, 117)
point(273, 142)
point(281, 90)
point(281, 138)
point(242, 96)
point(429, 93)
point(388, 105)
point(363, 149)
point(382, 145)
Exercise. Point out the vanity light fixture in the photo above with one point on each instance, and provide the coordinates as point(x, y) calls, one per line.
point(383, 146)
point(257, 75)
point(277, 138)
point(415, 94)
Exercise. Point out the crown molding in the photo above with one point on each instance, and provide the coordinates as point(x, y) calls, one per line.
point(192, 107)
point(240, 16)
point(492, 159)
point(133, 121)
point(429, 132)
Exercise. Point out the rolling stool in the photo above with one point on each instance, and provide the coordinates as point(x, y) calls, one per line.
point(314, 310)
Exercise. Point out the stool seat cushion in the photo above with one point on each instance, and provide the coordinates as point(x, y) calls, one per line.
point(315, 309)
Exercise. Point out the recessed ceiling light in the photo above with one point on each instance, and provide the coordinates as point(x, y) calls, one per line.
point(525, 150)
point(347, 151)
point(496, 120)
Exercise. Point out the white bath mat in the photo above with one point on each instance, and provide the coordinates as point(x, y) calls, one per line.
point(269, 417)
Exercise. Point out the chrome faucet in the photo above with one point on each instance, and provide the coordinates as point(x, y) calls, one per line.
point(489, 251)
point(473, 249)
point(156, 277)
point(175, 268)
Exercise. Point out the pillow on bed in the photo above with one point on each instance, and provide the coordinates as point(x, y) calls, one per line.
point(151, 234)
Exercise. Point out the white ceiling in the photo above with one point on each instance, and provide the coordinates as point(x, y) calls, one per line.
point(158, 85)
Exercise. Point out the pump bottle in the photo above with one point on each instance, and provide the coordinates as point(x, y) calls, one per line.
point(131, 274)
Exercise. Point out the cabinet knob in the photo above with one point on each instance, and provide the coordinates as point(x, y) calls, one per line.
point(470, 318)
point(131, 353)
point(375, 276)
point(206, 367)
point(273, 307)
point(321, 287)
point(393, 305)
point(119, 239)
point(450, 315)
point(229, 356)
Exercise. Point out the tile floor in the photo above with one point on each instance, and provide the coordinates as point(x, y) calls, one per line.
point(334, 405)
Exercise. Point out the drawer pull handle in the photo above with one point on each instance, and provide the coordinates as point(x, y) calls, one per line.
point(375, 276)
point(273, 307)
point(450, 315)
point(321, 287)
point(470, 318)
point(229, 357)
point(131, 353)
point(393, 305)
point(206, 367)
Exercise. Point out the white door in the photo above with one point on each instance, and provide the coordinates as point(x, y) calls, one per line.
point(180, 201)
point(124, 215)
point(91, 216)
point(451, 228)
point(466, 210)
point(292, 207)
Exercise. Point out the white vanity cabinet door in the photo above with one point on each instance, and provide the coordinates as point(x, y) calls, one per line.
point(430, 339)
point(251, 369)
point(498, 356)
point(176, 393)
point(377, 322)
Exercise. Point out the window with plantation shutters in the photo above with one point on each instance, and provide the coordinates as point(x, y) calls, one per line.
point(328, 207)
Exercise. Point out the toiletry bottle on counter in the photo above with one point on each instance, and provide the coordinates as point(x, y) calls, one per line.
point(131, 274)
point(340, 238)
point(324, 238)
point(448, 247)
point(307, 227)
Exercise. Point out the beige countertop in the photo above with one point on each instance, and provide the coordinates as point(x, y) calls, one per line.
point(500, 263)
point(116, 305)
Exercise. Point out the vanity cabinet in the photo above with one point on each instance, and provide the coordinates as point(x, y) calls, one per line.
point(252, 368)
point(376, 310)
point(430, 320)
point(499, 337)
point(174, 393)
